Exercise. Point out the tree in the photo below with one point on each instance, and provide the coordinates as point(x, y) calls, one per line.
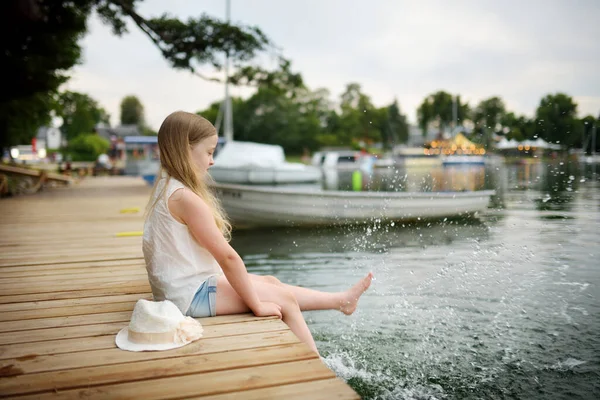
point(132, 111)
point(282, 111)
point(87, 147)
point(438, 108)
point(513, 127)
point(358, 118)
point(587, 125)
point(393, 125)
point(489, 114)
point(556, 119)
point(39, 42)
point(487, 117)
point(40, 46)
point(80, 114)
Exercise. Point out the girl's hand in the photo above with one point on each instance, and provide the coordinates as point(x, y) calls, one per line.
point(267, 309)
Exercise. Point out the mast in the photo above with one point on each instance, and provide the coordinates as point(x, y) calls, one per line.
point(228, 116)
point(454, 114)
point(593, 152)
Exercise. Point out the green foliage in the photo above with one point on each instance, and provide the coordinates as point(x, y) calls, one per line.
point(80, 113)
point(146, 131)
point(87, 147)
point(283, 111)
point(20, 118)
point(587, 128)
point(556, 120)
point(359, 117)
point(393, 125)
point(517, 128)
point(487, 117)
point(40, 45)
point(438, 108)
point(132, 111)
point(39, 42)
point(488, 114)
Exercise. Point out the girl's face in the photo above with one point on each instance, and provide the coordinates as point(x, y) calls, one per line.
point(202, 153)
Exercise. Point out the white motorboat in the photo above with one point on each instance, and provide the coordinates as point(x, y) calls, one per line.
point(257, 163)
point(268, 206)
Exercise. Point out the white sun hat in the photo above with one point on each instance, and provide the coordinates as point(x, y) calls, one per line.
point(158, 325)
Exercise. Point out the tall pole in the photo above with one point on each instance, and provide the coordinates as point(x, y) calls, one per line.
point(454, 113)
point(593, 152)
point(228, 125)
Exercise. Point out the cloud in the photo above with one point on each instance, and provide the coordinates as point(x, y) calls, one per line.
point(395, 49)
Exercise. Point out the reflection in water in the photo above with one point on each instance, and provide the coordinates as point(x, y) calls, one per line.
point(382, 237)
point(556, 181)
point(559, 186)
point(437, 179)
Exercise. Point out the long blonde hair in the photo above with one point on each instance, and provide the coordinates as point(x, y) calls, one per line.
point(177, 134)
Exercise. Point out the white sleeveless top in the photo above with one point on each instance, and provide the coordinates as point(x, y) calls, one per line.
point(176, 264)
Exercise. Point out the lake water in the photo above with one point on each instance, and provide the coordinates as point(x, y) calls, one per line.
point(503, 306)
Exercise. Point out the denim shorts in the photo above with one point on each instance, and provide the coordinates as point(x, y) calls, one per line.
point(204, 303)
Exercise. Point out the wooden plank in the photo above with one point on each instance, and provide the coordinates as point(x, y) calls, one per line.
point(64, 252)
point(74, 265)
point(94, 288)
point(90, 256)
point(71, 272)
point(323, 389)
point(120, 289)
point(80, 326)
point(105, 252)
point(54, 362)
point(68, 303)
point(77, 277)
point(75, 245)
point(19, 170)
point(106, 341)
point(203, 384)
point(144, 370)
point(18, 316)
point(69, 316)
point(40, 335)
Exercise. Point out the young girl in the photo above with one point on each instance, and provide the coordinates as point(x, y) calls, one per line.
point(188, 257)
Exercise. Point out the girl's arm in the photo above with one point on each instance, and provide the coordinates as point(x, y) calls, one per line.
point(188, 208)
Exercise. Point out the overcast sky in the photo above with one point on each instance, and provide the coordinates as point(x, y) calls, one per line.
point(518, 50)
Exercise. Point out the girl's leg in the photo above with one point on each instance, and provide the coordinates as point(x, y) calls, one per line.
point(309, 299)
point(228, 302)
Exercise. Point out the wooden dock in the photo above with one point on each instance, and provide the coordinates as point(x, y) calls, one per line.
point(68, 284)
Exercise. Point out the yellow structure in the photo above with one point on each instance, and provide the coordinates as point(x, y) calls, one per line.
point(459, 144)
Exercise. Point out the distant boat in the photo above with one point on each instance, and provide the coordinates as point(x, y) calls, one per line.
point(591, 159)
point(338, 159)
point(463, 160)
point(406, 157)
point(269, 207)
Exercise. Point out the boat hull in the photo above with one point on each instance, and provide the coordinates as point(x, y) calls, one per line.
point(262, 207)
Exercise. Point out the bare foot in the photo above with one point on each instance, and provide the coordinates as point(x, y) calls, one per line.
point(350, 297)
